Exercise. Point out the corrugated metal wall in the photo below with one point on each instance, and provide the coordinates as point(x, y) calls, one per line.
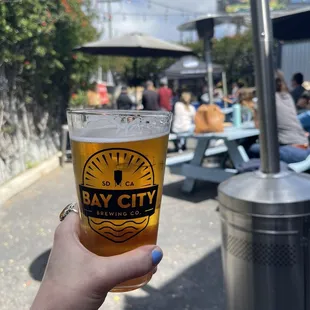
point(296, 58)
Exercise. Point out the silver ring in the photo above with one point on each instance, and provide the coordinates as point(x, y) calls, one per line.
point(69, 208)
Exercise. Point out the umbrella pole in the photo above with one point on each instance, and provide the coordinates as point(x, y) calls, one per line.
point(225, 91)
point(263, 50)
point(208, 59)
point(135, 70)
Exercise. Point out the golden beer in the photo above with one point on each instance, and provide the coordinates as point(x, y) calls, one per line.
point(119, 184)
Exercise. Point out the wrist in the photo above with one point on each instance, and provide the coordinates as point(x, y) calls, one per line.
point(52, 296)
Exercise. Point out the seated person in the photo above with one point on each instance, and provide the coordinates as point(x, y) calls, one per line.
point(218, 95)
point(246, 97)
point(294, 146)
point(183, 119)
point(304, 105)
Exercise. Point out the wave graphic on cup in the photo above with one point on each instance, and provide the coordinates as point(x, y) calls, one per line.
point(118, 230)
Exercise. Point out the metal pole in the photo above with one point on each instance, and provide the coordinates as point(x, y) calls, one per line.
point(135, 70)
point(110, 19)
point(208, 59)
point(100, 74)
point(224, 82)
point(263, 50)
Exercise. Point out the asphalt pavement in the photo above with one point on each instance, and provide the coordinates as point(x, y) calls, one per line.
point(189, 277)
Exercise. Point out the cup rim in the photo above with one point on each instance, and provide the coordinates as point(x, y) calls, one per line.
point(142, 113)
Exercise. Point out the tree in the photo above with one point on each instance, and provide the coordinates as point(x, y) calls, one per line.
point(38, 69)
point(147, 69)
point(235, 54)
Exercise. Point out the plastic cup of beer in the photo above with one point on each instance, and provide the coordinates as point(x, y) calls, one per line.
point(119, 163)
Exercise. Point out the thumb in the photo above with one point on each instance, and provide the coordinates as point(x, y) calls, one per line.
point(130, 265)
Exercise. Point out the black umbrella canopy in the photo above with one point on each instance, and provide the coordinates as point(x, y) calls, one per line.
point(291, 26)
point(135, 45)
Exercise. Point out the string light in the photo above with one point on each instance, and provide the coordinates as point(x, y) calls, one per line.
point(164, 6)
point(169, 7)
point(169, 11)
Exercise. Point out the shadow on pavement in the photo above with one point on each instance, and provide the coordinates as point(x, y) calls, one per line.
point(37, 267)
point(202, 191)
point(200, 287)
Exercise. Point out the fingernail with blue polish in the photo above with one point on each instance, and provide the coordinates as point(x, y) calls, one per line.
point(157, 256)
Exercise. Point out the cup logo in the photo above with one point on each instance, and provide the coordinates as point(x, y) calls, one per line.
point(118, 194)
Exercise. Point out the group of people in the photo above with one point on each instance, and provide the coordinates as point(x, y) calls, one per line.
point(152, 99)
point(293, 116)
point(293, 113)
point(162, 99)
point(292, 133)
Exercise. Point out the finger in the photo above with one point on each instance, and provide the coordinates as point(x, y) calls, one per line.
point(130, 265)
point(69, 227)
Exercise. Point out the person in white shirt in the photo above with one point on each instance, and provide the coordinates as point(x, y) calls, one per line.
point(183, 120)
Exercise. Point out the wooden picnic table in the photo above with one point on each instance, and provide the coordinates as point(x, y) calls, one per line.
point(194, 170)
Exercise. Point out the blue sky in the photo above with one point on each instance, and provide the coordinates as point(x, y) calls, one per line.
point(158, 26)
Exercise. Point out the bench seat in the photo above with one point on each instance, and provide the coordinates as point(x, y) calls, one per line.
point(183, 158)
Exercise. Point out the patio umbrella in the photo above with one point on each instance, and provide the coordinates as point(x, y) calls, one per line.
point(135, 45)
point(293, 25)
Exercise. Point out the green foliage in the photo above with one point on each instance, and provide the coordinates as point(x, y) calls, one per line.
point(197, 47)
point(147, 69)
point(78, 99)
point(36, 42)
point(235, 54)
point(31, 164)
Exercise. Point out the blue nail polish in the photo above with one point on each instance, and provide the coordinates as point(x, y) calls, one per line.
point(157, 255)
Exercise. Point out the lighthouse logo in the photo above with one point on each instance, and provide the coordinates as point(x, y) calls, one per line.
point(118, 194)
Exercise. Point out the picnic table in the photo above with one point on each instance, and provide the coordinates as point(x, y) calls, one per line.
point(194, 170)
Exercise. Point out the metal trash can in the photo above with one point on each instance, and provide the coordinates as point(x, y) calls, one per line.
point(265, 241)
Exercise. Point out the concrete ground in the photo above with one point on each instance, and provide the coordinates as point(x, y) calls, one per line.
point(189, 276)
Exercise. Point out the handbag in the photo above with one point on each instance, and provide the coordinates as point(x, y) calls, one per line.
point(209, 118)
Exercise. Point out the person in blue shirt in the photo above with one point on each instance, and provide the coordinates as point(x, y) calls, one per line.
point(304, 105)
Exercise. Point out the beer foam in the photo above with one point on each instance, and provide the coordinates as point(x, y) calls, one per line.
point(119, 129)
point(96, 136)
